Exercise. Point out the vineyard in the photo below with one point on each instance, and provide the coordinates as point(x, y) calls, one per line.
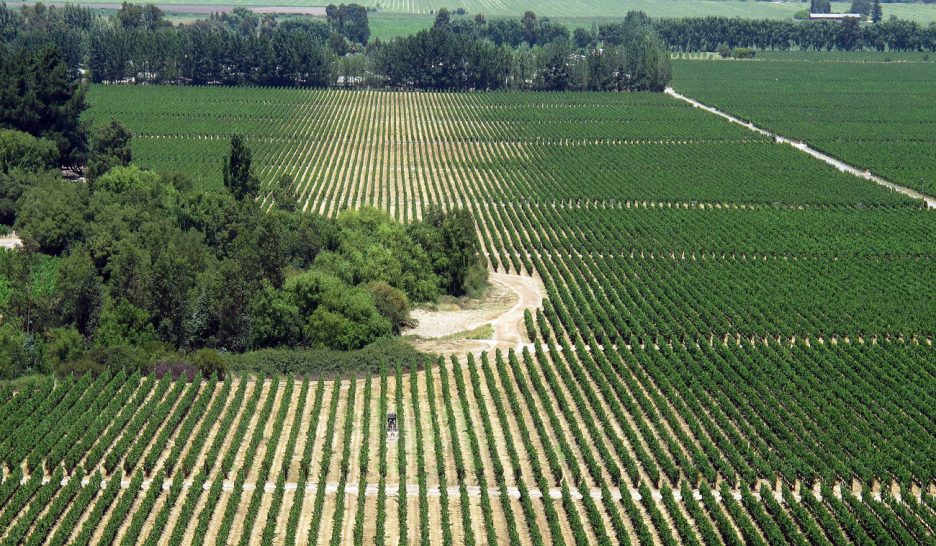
point(558, 443)
point(875, 116)
point(736, 345)
point(400, 151)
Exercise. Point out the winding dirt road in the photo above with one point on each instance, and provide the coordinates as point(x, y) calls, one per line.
point(507, 328)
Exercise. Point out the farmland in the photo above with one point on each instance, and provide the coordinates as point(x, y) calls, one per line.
point(875, 116)
point(415, 14)
point(634, 430)
point(399, 151)
point(736, 344)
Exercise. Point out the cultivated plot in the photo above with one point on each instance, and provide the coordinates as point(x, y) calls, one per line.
point(735, 344)
point(876, 116)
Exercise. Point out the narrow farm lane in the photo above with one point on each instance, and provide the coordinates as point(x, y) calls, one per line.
point(803, 147)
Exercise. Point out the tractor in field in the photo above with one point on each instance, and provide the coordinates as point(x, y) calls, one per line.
point(392, 426)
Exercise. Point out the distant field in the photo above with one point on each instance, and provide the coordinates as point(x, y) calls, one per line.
point(878, 116)
point(819, 56)
point(582, 9)
point(849, 56)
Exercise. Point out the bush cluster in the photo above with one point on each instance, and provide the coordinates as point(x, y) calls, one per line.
point(134, 269)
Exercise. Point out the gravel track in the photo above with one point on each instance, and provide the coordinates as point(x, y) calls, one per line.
point(805, 148)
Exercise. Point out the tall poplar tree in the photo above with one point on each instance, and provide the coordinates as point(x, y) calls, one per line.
point(238, 176)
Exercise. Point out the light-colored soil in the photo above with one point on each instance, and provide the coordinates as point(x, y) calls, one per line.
point(337, 443)
point(217, 515)
point(412, 519)
point(11, 241)
point(266, 432)
point(305, 515)
point(500, 309)
point(448, 319)
point(306, 433)
point(408, 492)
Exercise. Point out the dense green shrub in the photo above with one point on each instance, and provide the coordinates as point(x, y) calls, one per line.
point(50, 212)
point(24, 151)
point(328, 363)
point(210, 363)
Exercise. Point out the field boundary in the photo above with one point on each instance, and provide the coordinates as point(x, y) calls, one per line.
point(805, 148)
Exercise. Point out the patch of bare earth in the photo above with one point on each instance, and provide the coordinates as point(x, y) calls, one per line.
point(447, 328)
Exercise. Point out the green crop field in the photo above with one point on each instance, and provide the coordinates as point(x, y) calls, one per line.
point(734, 343)
point(877, 116)
point(398, 150)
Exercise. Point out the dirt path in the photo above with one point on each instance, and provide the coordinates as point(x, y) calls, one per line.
point(438, 331)
point(803, 147)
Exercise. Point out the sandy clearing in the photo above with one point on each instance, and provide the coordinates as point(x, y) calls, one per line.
point(11, 241)
point(450, 319)
point(508, 329)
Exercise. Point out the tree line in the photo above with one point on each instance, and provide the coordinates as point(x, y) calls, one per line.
point(708, 33)
point(137, 44)
point(525, 54)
